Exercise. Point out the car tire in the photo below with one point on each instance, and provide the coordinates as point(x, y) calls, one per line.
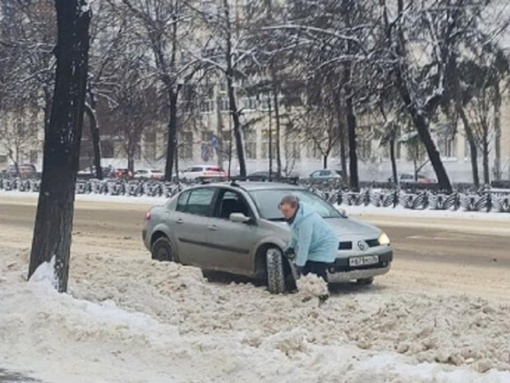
point(365, 281)
point(275, 271)
point(162, 250)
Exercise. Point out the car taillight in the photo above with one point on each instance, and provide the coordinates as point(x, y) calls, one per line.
point(148, 216)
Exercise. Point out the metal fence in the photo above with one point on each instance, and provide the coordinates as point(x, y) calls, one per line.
point(411, 196)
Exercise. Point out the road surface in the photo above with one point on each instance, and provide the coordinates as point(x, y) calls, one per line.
point(459, 255)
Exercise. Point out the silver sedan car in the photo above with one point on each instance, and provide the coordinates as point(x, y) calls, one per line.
point(237, 228)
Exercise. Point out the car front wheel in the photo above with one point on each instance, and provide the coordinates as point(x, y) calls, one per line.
point(275, 271)
point(162, 250)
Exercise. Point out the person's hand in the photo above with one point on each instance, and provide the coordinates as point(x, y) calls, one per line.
point(289, 253)
point(299, 270)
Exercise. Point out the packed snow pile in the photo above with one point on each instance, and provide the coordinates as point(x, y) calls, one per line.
point(310, 286)
point(129, 319)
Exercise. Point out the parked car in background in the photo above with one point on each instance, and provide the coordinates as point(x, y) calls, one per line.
point(121, 173)
point(325, 175)
point(146, 174)
point(23, 171)
point(237, 228)
point(264, 176)
point(203, 172)
point(90, 172)
point(407, 178)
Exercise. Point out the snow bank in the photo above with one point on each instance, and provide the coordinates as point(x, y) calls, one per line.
point(400, 211)
point(130, 319)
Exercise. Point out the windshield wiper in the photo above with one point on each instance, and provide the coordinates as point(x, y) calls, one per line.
point(277, 219)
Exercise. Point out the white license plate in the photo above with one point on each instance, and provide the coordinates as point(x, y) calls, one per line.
point(363, 261)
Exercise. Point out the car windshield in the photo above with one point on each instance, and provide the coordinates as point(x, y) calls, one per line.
point(267, 203)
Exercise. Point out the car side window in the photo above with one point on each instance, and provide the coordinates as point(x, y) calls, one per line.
point(182, 201)
point(200, 201)
point(231, 202)
point(324, 173)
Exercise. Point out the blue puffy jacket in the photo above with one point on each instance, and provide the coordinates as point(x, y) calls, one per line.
point(312, 238)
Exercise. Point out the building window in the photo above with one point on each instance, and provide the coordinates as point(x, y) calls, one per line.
point(250, 103)
point(293, 150)
point(265, 144)
point(206, 147)
point(447, 146)
point(206, 106)
point(250, 141)
point(150, 146)
point(313, 150)
point(365, 149)
point(186, 145)
point(34, 155)
point(224, 104)
point(107, 149)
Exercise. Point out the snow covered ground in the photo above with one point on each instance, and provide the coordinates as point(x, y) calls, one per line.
point(129, 319)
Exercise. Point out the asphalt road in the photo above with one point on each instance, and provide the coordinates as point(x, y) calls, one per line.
point(460, 254)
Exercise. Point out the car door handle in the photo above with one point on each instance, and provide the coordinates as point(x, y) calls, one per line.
point(179, 221)
point(213, 227)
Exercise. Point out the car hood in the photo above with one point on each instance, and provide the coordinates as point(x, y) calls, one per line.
point(348, 227)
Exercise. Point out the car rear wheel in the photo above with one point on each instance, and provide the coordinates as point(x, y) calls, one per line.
point(275, 271)
point(365, 281)
point(162, 250)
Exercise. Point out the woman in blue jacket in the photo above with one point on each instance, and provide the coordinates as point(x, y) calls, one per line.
point(313, 240)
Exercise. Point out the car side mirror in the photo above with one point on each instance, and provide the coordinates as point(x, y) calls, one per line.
point(239, 218)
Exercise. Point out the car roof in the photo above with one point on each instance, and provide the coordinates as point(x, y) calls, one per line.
point(251, 186)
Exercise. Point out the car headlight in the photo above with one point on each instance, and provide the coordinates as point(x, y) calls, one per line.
point(384, 239)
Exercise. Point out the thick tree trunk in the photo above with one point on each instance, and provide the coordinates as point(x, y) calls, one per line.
point(54, 217)
point(341, 134)
point(393, 160)
point(473, 150)
point(238, 133)
point(325, 161)
point(422, 126)
point(130, 161)
point(351, 131)
point(96, 142)
point(485, 153)
point(171, 147)
point(417, 115)
point(278, 127)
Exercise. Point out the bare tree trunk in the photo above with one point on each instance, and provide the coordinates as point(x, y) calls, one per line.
point(131, 162)
point(238, 133)
point(171, 147)
point(497, 131)
point(393, 160)
point(473, 149)
point(325, 161)
point(351, 131)
point(417, 115)
point(96, 143)
point(55, 210)
point(278, 126)
point(485, 153)
point(341, 134)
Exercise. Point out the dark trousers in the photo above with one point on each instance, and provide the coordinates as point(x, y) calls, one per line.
point(318, 268)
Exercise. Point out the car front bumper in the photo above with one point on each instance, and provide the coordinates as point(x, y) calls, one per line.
point(340, 271)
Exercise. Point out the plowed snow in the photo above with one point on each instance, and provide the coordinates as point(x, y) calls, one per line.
point(130, 319)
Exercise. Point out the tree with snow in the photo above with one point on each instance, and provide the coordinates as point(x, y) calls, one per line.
point(55, 209)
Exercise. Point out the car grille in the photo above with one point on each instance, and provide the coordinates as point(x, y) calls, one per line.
point(372, 242)
point(345, 246)
point(348, 245)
